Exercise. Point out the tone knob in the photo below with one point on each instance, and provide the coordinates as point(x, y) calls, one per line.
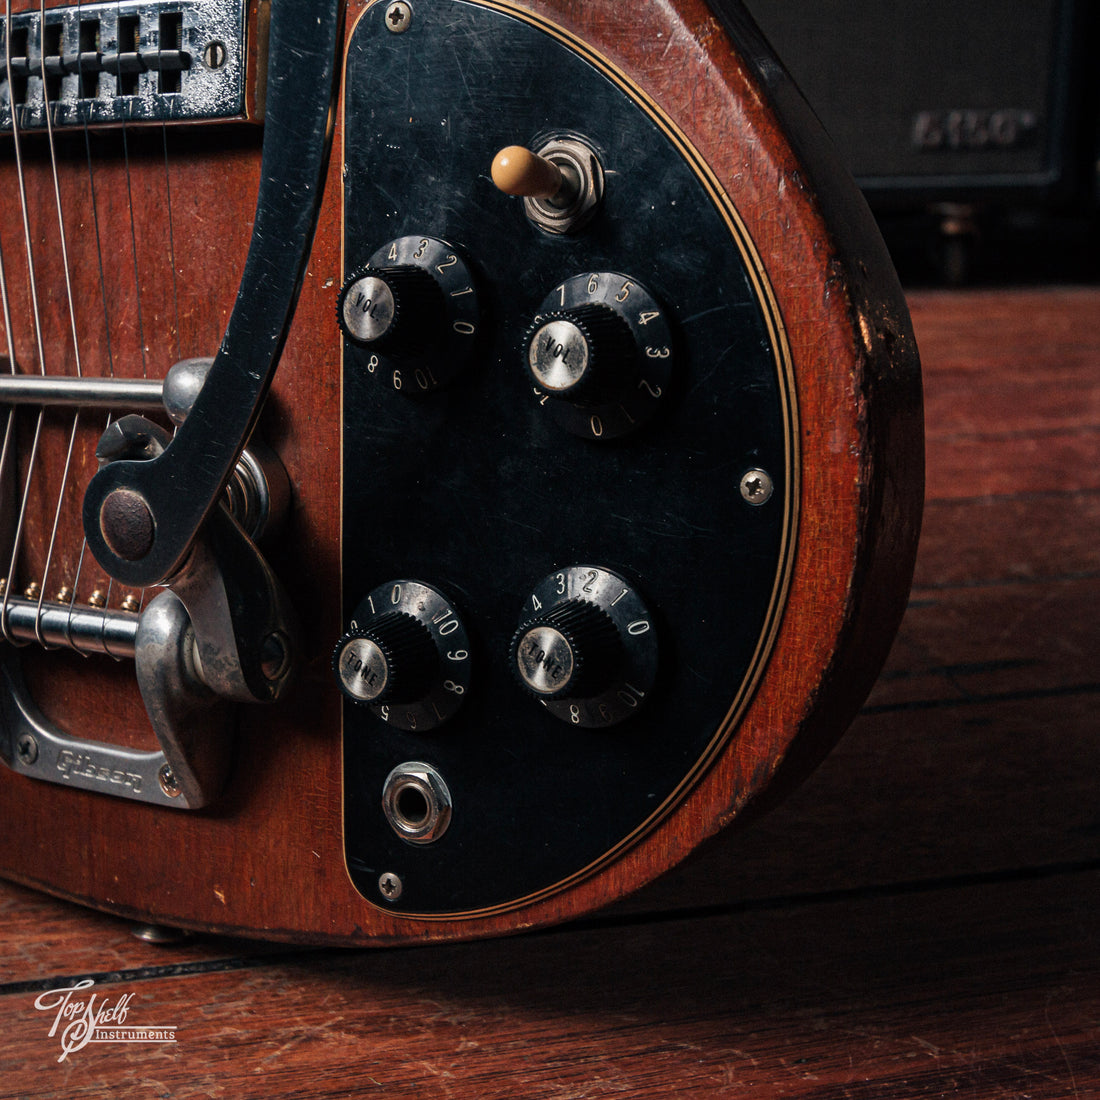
point(586, 647)
point(583, 355)
point(391, 660)
point(573, 651)
point(410, 314)
point(600, 354)
point(398, 310)
point(406, 655)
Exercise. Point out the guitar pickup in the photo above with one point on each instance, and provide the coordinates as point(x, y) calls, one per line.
point(133, 62)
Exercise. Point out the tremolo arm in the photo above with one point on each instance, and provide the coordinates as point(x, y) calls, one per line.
point(141, 517)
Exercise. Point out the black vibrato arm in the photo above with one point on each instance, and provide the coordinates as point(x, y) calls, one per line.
point(141, 516)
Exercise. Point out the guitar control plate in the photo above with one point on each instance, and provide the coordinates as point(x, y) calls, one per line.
point(474, 488)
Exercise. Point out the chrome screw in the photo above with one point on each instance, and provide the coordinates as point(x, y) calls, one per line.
point(398, 17)
point(390, 886)
point(756, 486)
point(27, 748)
point(215, 55)
point(168, 781)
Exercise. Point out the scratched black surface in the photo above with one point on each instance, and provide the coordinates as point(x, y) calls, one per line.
point(475, 489)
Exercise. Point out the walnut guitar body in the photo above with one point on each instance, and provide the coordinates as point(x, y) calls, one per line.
point(715, 526)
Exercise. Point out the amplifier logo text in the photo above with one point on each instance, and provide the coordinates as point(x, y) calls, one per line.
point(1006, 128)
point(80, 1018)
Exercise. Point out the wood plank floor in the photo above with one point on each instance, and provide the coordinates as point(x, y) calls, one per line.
point(921, 919)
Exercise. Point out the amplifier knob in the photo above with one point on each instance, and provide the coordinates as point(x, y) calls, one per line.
point(586, 647)
point(406, 655)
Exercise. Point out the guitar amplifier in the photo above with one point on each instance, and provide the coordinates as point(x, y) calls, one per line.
point(951, 100)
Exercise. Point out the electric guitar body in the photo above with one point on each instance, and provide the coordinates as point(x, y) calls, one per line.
point(459, 455)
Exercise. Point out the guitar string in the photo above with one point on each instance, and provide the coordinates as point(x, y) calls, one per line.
point(108, 345)
point(63, 489)
point(75, 587)
point(171, 246)
point(5, 304)
point(133, 252)
point(17, 540)
point(171, 237)
point(141, 339)
point(9, 429)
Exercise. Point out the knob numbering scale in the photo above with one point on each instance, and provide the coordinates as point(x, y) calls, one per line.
point(406, 655)
point(586, 647)
point(600, 354)
point(410, 315)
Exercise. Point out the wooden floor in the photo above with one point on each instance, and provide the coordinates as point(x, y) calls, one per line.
point(921, 919)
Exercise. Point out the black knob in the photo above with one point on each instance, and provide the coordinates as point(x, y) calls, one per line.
point(600, 354)
point(573, 651)
point(397, 310)
point(583, 355)
point(406, 656)
point(410, 314)
point(586, 647)
point(392, 659)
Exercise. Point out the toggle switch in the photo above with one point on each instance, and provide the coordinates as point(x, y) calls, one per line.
point(562, 182)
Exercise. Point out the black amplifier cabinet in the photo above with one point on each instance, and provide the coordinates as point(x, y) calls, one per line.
point(951, 101)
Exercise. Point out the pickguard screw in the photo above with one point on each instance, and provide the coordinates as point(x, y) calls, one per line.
point(390, 886)
point(27, 749)
point(168, 781)
point(398, 17)
point(756, 486)
point(215, 55)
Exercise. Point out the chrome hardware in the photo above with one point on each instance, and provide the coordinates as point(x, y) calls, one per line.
point(416, 802)
point(756, 487)
point(134, 61)
point(83, 629)
point(195, 647)
point(191, 723)
point(574, 206)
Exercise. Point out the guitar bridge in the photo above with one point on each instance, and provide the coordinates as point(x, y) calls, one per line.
point(131, 62)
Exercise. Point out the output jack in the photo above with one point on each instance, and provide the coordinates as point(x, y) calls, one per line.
point(416, 802)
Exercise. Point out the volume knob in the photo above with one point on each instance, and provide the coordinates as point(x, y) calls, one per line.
point(410, 314)
point(583, 355)
point(600, 353)
point(399, 310)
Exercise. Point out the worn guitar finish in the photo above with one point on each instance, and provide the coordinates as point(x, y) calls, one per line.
point(706, 536)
